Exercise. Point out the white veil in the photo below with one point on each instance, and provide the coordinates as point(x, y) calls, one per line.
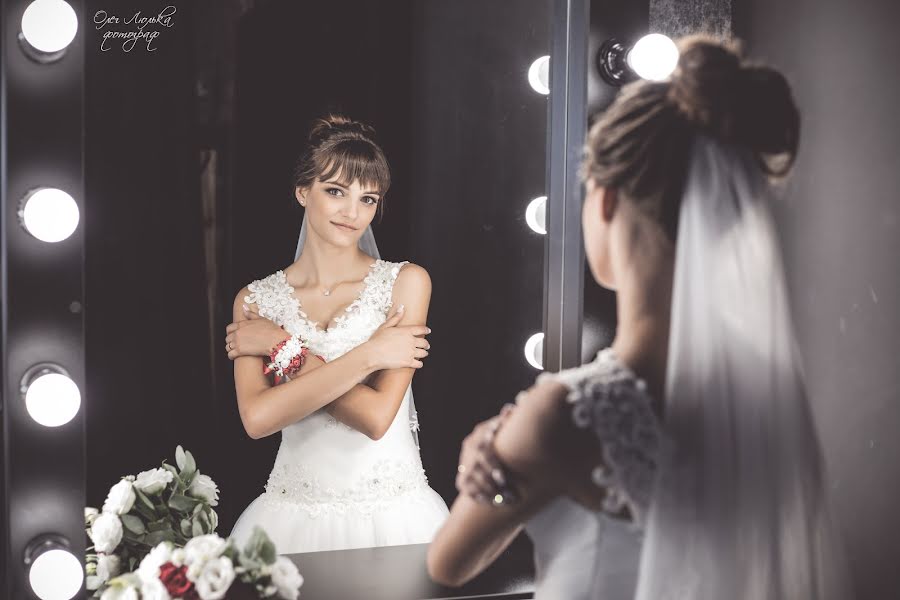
point(366, 244)
point(740, 509)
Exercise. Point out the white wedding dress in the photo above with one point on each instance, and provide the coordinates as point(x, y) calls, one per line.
point(580, 554)
point(333, 487)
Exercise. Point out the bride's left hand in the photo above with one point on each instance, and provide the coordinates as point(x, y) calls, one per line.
point(256, 336)
point(480, 473)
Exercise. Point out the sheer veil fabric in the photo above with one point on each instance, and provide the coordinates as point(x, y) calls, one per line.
point(740, 509)
point(366, 244)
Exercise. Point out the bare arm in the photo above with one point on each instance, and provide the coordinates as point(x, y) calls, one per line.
point(265, 409)
point(546, 456)
point(371, 408)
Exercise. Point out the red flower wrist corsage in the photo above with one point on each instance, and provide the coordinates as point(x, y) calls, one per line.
point(286, 358)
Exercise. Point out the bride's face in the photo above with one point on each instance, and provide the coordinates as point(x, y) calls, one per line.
point(338, 214)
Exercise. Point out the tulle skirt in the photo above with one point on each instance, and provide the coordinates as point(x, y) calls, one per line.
point(410, 518)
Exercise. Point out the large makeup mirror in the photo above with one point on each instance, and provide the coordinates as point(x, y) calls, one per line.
point(191, 144)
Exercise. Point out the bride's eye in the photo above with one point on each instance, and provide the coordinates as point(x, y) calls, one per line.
point(329, 190)
point(373, 200)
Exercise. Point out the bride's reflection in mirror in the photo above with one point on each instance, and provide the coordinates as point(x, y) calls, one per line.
point(435, 154)
point(324, 352)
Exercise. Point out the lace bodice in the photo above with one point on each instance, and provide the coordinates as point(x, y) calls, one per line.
point(276, 301)
point(324, 466)
point(613, 402)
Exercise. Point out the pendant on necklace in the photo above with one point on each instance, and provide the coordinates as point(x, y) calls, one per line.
point(327, 292)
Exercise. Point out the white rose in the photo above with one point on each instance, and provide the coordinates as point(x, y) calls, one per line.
point(108, 566)
point(106, 532)
point(200, 549)
point(154, 589)
point(286, 578)
point(157, 557)
point(215, 578)
point(153, 481)
point(90, 515)
point(120, 593)
point(204, 488)
point(120, 498)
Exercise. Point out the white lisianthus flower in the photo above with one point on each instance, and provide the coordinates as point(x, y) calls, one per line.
point(215, 578)
point(204, 488)
point(90, 515)
point(286, 578)
point(120, 593)
point(157, 557)
point(108, 566)
point(153, 481)
point(154, 589)
point(106, 532)
point(120, 499)
point(200, 549)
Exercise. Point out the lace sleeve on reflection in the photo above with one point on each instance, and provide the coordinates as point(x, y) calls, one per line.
point(618, 411)
point(272, 296)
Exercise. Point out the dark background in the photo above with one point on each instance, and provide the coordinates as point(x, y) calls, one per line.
point(444, 85)
point(174, 230)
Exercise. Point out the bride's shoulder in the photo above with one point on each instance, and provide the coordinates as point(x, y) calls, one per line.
point(407, 274)
point(262, 291)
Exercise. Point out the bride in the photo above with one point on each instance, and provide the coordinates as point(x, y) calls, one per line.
point(682, 462)
point(318, 358)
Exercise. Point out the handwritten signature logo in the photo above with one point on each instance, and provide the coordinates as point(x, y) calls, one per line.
point(143, 29)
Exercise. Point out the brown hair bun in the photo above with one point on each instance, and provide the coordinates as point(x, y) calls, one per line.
point(746, 104)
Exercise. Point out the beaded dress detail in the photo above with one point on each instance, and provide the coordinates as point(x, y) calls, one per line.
point(332, 487)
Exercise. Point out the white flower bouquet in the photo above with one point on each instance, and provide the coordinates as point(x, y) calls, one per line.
point(209, 568)
point(169, 504)
point(154, 539)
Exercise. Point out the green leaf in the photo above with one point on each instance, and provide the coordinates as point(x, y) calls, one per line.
point(267, 552)
point(189, 463)
point(129, 536)
point(154, 538)
point(180, 457)
point(197, 529)
point(170, 469)
point(133, 524)
point(144, 500)
point(188, 477)
point(159, 525)
point(182, 503)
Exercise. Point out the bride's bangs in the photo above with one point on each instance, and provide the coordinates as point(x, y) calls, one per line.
point(356, 160)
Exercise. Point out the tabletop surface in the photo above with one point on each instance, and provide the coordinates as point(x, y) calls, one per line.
point(399, 573)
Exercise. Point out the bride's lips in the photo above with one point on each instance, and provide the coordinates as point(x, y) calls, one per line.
point(343, 227)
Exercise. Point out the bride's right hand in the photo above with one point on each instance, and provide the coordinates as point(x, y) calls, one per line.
point(395, 346)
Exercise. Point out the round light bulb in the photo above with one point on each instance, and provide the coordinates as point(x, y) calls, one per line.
point(536, 214)
point(56, 575)
point(539, 75)
point(653, 57)
point(49, 25)
point(534, 351)
point(52, 399)
point(50, 215)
